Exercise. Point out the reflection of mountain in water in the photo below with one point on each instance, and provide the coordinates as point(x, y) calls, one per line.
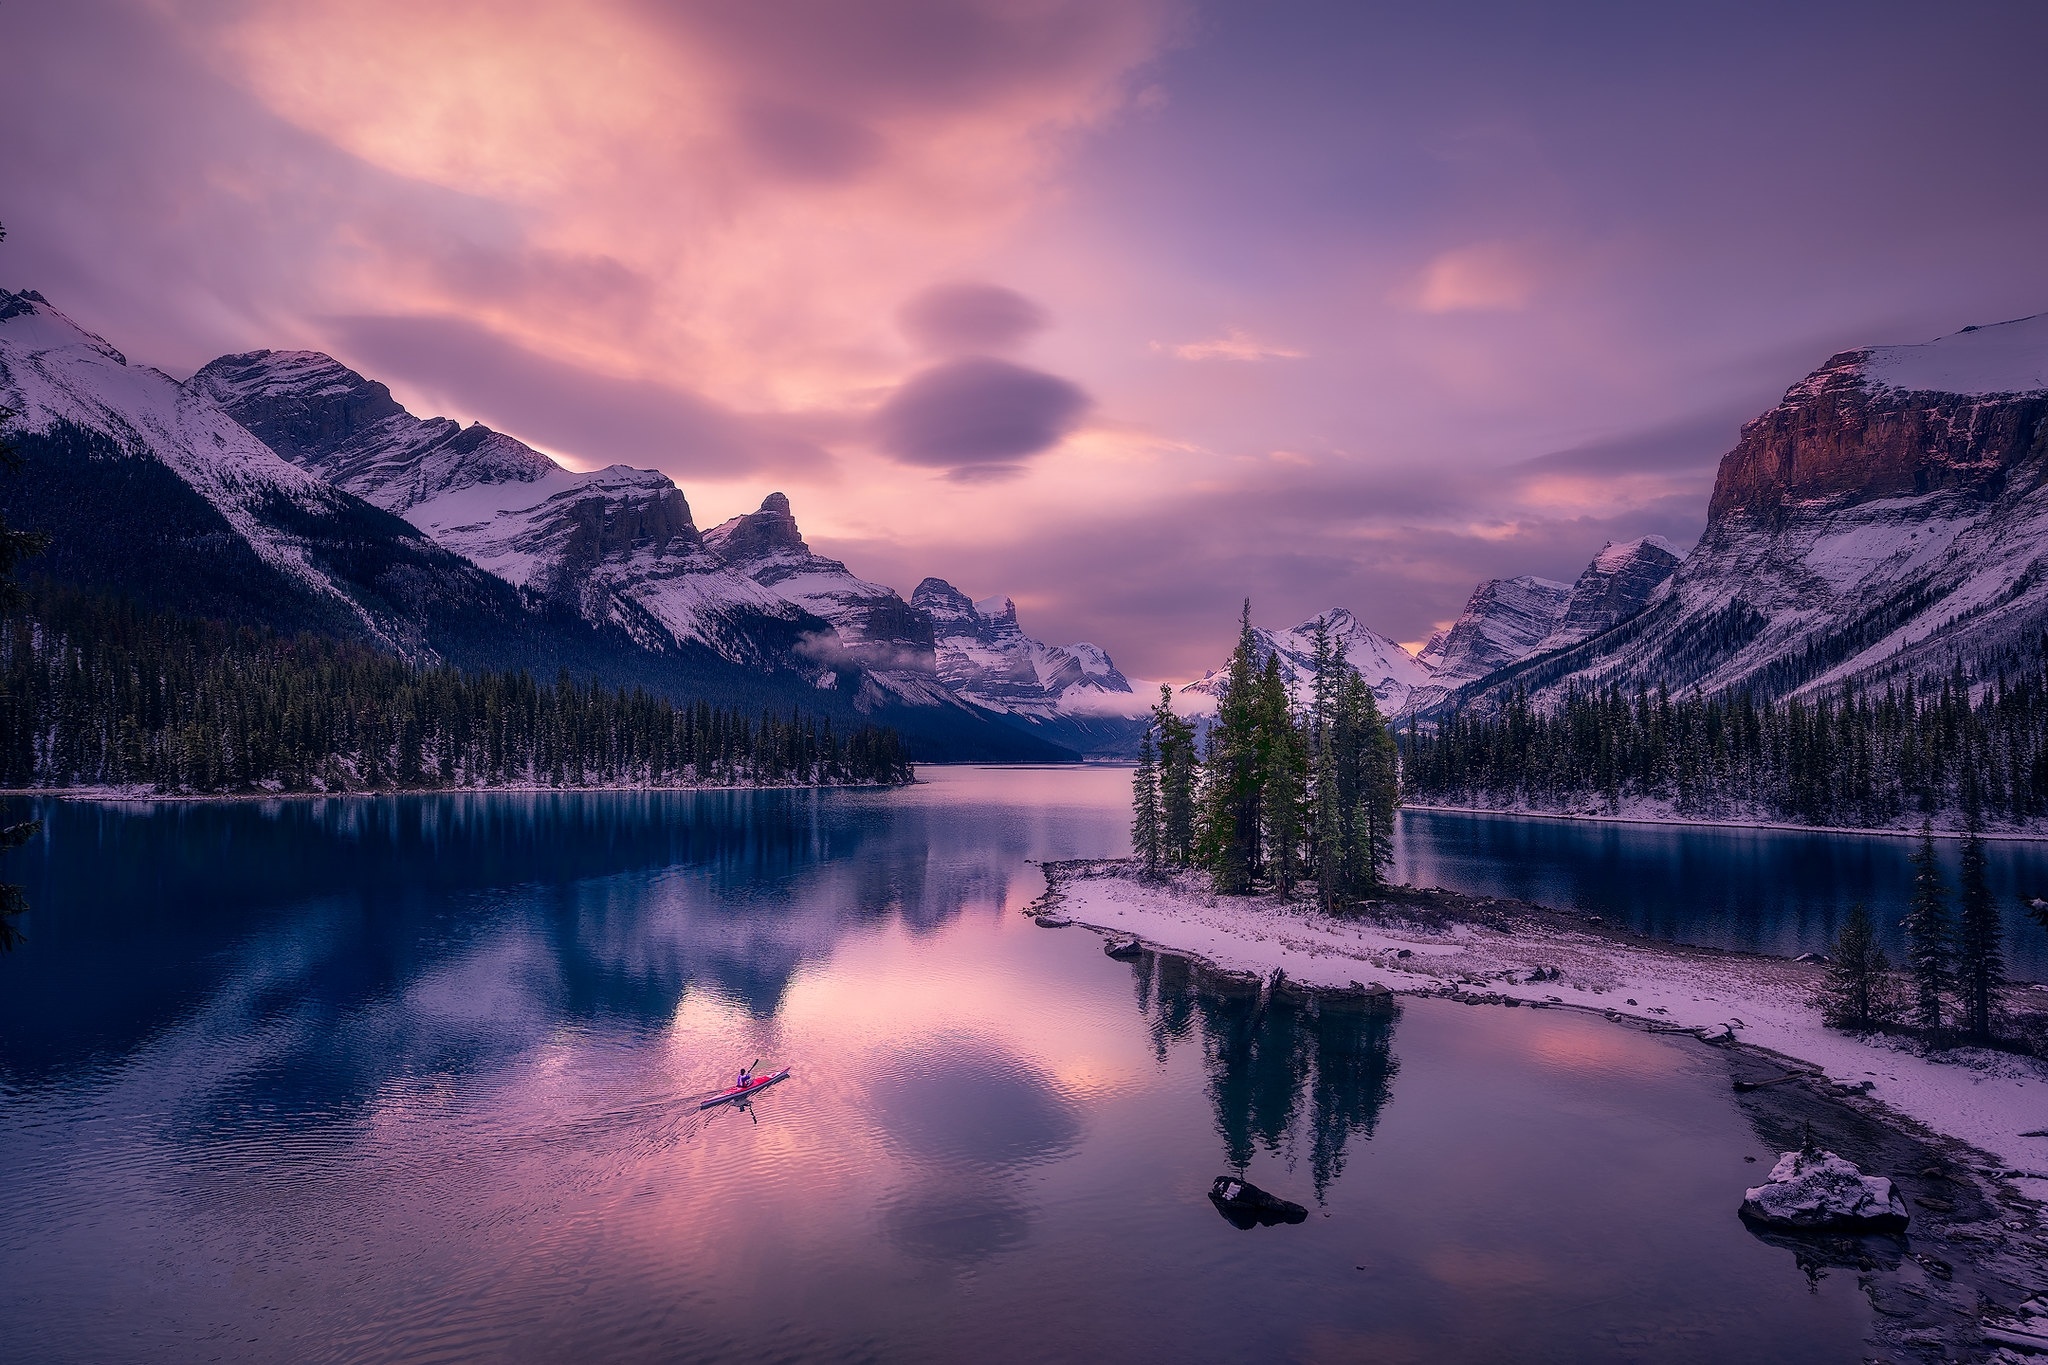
point(1270, 1050)
point(292, 917)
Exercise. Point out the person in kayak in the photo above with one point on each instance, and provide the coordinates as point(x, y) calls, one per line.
point(746, 1078)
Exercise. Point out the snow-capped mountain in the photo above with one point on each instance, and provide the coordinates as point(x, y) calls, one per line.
point(985, 656)
point(154, 490)
point(1889, 516)
point(870, 626)
point(618, 545)
point(1614, 587)
point(1503, 620)
point(1388, 669)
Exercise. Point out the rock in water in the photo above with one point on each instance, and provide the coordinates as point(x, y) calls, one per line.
point(1247, 1206)
point(1817, 1191)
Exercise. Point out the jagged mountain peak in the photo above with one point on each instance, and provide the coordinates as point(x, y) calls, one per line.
point(39, 326)
point(757, 535)
point(1502, 621)
point(323, 416)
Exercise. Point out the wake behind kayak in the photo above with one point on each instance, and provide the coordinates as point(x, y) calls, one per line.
point(740, 1092)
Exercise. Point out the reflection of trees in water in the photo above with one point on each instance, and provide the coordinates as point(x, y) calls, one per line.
point(1275, 1056)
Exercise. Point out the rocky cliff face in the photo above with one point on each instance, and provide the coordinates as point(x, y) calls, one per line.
point(1614, 587)
point(1889, 516)
point(1503, 621)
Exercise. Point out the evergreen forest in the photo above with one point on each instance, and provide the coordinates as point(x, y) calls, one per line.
point(1972, 747)
point(95, 691)
point(1281, 796)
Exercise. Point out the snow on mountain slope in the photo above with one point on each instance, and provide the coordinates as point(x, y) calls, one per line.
point(2009, 357)
point(870, 626)
point(1614, 587)
point(1502, 621)
point(54, 371)
point(984, 655)
point(1889, 516)
point(1389, 670)
point(619, 544)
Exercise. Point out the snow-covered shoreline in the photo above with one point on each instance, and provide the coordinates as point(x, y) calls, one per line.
point(1467, 946)
point(1638, 817)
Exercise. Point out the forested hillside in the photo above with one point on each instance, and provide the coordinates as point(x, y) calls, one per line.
point(1976, 745)
point(96, 692)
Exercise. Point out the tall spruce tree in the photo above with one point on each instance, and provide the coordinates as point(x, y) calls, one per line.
point(1377, 785)
point(1929, 946)
point(1858, 990)
point(1145, 817)
point(1326, 798)
point(1283, 767)
point(1980, 941)
point(1178, 765)
point(1232, 775)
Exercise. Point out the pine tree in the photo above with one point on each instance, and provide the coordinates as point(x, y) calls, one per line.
point(1177, 769)
point(1145, 817)
point(1326, 798)
point(1377, 785)
point(1282, 777)
point(1928, 946)
point(1980, 946)
point(1858, 990)
point(1228, 833)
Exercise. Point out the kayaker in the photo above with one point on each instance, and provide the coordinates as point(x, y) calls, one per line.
point(746, 1078)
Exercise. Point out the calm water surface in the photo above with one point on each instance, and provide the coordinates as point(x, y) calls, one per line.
point(368, 1080)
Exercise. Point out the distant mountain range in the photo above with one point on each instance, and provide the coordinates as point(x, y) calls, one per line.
point(1887, 519)
point(283, 489)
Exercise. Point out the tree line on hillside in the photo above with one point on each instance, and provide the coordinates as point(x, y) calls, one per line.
point(1280, 794)
point(96, 692)
point(1853, 757)
point(1954, 964)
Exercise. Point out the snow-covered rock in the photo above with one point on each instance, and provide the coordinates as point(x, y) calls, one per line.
point(1614, 587)
point(1817, 1191)
point(1503, 621)
point(1388, 669)
point(872, 628)
point(984, 655)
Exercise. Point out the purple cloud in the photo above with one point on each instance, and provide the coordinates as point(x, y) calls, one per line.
point(955, 319)
point(806, 144)
point(977, 413)
point(597, 417)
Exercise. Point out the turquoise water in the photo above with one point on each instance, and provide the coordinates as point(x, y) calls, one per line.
point(418, 1078)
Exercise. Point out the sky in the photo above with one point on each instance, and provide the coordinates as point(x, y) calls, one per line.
point(1125, 309)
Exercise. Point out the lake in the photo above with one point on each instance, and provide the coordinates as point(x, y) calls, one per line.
point(419, 1078)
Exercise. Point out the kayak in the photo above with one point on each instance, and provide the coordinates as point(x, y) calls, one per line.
point(740, 1092)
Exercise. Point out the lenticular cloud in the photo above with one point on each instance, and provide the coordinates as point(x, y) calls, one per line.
point(977, 412)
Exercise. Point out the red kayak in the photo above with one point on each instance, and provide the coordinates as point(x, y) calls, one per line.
point(740, 1092)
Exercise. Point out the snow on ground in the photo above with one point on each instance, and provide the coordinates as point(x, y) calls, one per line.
point(1987, 1099)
